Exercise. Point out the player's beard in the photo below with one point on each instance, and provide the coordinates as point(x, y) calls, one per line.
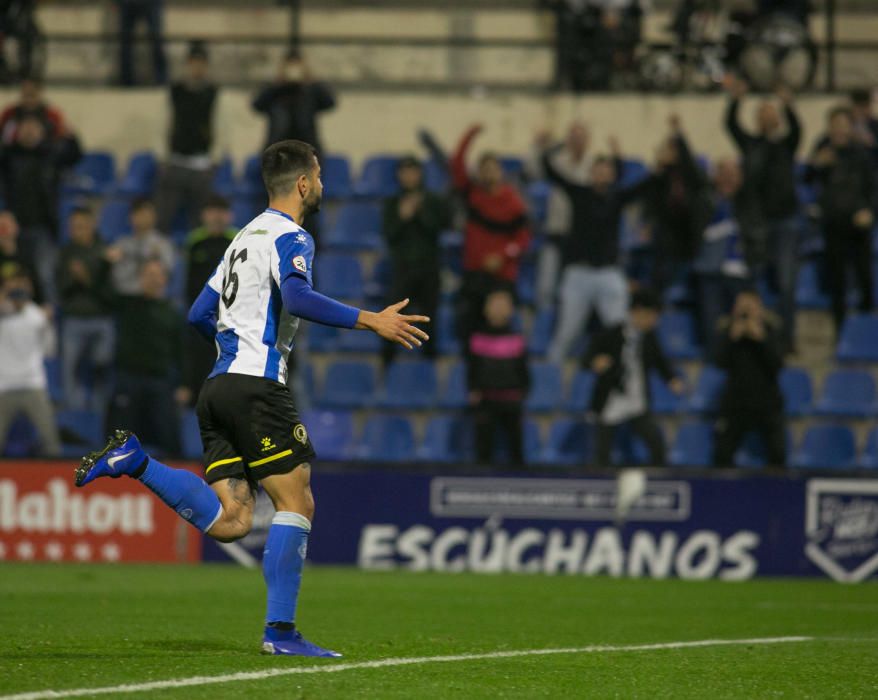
point(311, 203)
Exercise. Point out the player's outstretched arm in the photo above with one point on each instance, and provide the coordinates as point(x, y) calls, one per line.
point(393, 326)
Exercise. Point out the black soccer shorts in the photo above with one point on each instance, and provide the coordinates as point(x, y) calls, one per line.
point(250, 428)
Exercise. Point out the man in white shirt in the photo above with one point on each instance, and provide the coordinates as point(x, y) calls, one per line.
point(26, 339)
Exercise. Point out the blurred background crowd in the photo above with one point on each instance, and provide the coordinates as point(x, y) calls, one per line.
point(590, 306)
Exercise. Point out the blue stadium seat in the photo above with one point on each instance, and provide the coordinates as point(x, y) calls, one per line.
point(378, 178)
point(224, 178)
point(244, 209)
point(357, 227)
point(331, 433)
point(579, 398)
point(53, 376)
point(435, 176)
point(545, 387)
point(541, 332)
point(335, 171)
point(569, 443)
point(93, 175)
point(251, 179)
point(678, 336)
point(84, 428)
point(752, 455)
point(533, 444)
point(513, 167)
point(454, 391)
point(387, 439)
point(338, 275)
point(847, 392)
point(797, 390)
point(633, 171)
point(526, 287)
point(664, 401)
point(140, 175)
point(693, 446)
point(826, 447)
point(708, 389)
point(445, 329)
point(321, 338)
point(448, 439)
point(356, 341)
point(22, 439)
point(113, 219)
point(869, 458)
point(538, 197)
point(190, 436)
point(859, 339)
point(347, 385)
point(409, 384)
point(809, 293)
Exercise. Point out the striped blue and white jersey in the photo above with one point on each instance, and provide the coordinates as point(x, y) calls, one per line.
point(254, 333)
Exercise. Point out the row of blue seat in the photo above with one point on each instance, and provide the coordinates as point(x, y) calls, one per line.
point(414, 385)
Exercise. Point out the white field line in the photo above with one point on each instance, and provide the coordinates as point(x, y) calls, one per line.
point(384, 663)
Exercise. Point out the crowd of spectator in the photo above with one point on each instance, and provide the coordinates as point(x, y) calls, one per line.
point(730, 234)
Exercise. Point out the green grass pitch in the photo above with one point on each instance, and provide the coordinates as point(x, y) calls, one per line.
point(81, 626)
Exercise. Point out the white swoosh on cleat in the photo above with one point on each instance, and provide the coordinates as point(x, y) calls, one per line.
point(111, 462)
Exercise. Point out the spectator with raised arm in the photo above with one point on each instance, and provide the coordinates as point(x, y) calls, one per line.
point(413, 220)
point(622, 357)
point(187, 176)
point(846, 175)
point(592, 275)
point(496, 234)
point(87, 331)
point(750, 351)
point(769, 216)
point(293, 102)
point(27, 338)
point(574, 162)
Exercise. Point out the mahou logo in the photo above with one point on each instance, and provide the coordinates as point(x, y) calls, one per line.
point(59, 508)
point(43, 517)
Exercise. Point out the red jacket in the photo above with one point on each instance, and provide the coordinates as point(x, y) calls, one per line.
point(496, 221)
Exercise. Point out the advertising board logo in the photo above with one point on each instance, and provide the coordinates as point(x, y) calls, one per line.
point(841, 527)
point(559, 499)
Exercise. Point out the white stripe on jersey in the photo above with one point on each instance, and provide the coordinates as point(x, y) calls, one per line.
point(254, 333)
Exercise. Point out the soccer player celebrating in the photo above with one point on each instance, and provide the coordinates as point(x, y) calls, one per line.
point(251, 431)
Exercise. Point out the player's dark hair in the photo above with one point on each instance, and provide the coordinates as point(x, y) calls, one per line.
point(216, 201)
point(139, 203)
point(487, 156)
point(861, 96)
point(283, 163)
point(645, 299)
point(841, 110)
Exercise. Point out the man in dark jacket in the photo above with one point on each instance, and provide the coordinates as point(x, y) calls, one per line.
point(293, 102)
point(769, 212)
point(622, 358)
point(846, 176)
point(87, 331)
point(413, 220)
point(187, 176)
point(750, 352)
point(498, 379)
point(592, 277)
point(31, 169)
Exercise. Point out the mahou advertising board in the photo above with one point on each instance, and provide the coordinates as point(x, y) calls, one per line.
point(44, 517)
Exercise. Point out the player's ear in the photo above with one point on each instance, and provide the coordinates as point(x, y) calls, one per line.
point(302, 185)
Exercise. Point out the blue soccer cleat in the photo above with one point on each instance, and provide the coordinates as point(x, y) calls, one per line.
point(291, 643)
point(121, 455)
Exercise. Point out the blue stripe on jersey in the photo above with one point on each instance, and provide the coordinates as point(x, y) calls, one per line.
point(227, 344)
point(270, 210)
point(269, 335)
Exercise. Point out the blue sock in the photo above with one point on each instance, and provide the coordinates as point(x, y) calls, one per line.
point(282, 563)
point(185, 492)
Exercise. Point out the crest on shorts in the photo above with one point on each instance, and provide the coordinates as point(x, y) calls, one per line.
point(300, 433)
point(300, 264)
point(841, 526)
point(267, 444)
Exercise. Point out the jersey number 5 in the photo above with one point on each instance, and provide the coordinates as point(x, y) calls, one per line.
point(230, 283)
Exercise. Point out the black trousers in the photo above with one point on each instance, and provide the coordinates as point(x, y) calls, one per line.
point(492, 417)
point(421, 286)
point(733, 426)
point(643, 426)
point(847, 245)
point(146, 406)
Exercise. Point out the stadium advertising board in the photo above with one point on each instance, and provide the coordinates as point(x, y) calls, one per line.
point(728, 526)
point(43, 517)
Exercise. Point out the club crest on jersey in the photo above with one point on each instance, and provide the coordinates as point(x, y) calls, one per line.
point(300, 433)
point(300, 264)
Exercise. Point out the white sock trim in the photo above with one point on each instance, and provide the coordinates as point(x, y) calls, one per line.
point(283, 517)
point(219, 514)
